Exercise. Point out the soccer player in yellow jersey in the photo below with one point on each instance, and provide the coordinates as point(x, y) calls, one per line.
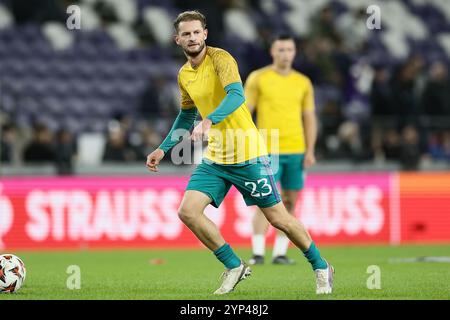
point(210, 84)
point(284, 103)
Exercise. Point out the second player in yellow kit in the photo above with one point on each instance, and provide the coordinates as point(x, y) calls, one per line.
point(283, 99)
point(279, 101)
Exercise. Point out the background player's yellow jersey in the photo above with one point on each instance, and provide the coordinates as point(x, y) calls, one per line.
point(279, 101)
point(235, 139)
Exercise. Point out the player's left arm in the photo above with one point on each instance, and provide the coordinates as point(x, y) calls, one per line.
point(226, 68)
point(310, 126)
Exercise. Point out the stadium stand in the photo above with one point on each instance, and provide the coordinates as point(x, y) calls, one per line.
point(381, 94)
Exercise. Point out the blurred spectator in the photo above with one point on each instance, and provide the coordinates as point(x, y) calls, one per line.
point(160, 99)
point(323, 26)
point(391, 145)
point(125, 123)
point(439, 146)
point(150, 140)
point(7, 141)
point(320, 53)
point(377, 144)
point(117, 148)
point(305, 61)
point(350, 141)
point(343, 64)
point(353, 30)
point(149, 102)
point(410, 148)
point(436, 96)
point(106, 11)
point(66, 150)
point(380, 94)
point(26, 11)
point(40, 149)
point(404, 90)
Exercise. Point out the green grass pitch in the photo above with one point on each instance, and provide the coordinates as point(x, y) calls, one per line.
point(194, 274)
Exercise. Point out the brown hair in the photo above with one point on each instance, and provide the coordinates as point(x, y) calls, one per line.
point(190, 16)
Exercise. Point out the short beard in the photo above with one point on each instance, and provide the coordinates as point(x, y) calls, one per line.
point(196, 53)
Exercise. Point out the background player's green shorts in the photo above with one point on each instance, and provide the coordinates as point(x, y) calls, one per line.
point(254, 180)
point(289, 170)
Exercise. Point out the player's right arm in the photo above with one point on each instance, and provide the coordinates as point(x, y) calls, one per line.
point(251, 91)
point(184, 120)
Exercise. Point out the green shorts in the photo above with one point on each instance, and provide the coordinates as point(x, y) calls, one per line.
point(288, 170)
point(253, 179)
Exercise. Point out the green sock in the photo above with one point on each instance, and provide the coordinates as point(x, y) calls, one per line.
point(226, 255)
point(313, 256)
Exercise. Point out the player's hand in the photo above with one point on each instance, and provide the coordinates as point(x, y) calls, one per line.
point(201, 130)
point(153, 159)
point(309, 160)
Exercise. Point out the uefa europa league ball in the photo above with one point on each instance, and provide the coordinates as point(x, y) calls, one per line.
point(12, 273)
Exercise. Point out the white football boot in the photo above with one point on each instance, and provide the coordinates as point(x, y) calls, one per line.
point(324, 280)
point(231, 277)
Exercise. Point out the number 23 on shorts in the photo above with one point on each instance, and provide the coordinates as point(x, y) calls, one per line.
point(261, 185)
